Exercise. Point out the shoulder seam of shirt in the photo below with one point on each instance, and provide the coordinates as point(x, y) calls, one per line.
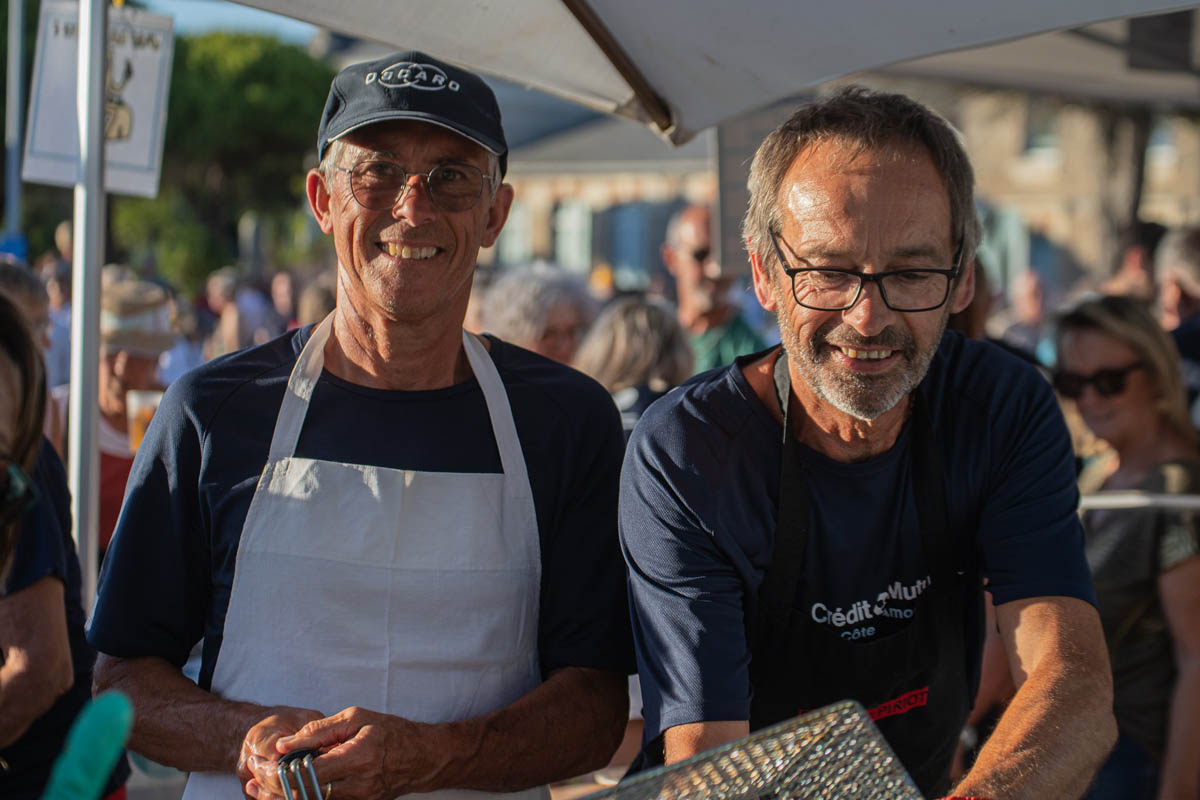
point(207, 425)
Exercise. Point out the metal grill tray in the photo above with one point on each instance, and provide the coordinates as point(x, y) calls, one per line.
point(833, 752)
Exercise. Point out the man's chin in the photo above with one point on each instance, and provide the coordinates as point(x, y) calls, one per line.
point(863, 397)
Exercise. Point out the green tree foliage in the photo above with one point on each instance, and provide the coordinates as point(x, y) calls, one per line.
point(242, 117)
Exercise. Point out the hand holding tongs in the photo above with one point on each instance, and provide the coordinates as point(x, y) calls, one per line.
point(299, 765)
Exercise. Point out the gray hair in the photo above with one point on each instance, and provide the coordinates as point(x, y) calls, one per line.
point(333, 158)
point(871, 120)
point(675, 223)
point(636, 343)
point(1179, 256)
point(224, 281)
point(517, 305)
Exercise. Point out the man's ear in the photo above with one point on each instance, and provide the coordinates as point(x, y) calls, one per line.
point(318, 199)
point(964, 291)
point(762, 278)
point(667, 254)
point(497, 214)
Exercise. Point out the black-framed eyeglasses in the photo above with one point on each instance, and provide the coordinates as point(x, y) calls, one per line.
point(377, 184)
point(836, 289)
point(1107, 382)
point(17, 495)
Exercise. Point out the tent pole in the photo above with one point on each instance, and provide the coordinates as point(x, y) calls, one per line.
point(83, 459)
point(14, 117)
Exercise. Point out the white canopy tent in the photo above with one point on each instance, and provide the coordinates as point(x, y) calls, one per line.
point(685, 65)
point(679, 66)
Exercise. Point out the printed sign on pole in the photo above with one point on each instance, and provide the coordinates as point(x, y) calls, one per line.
point(140, 47)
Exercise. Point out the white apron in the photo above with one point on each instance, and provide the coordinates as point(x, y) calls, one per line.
point(412, 593)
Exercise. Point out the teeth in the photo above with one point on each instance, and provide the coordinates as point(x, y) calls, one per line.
point(868, 355)
point(413, 253)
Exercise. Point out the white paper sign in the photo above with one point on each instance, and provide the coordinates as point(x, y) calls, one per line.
point(140, 47)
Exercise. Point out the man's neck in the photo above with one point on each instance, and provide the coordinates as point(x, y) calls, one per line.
point(697, 323)
point(817, 424)
point(385, 354)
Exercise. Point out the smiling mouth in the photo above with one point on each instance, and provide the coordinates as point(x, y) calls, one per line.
point(865, 355)
point(410, 252)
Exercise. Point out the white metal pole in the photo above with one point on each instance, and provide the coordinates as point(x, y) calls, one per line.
point(14, 113)
point(85, 309)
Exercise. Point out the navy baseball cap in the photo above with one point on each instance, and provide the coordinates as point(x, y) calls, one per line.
point(413, 85)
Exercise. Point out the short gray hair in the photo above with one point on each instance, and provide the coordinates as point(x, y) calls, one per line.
point(1179, 256)
point(636, 342)
point(870, 120)
point(333, 158)
point(517, 305)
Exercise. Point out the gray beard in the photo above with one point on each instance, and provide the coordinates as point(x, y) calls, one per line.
point(864, 397)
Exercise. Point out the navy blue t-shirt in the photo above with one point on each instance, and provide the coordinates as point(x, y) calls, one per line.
point(168, 573)
point(699, 494)
point(45, 548)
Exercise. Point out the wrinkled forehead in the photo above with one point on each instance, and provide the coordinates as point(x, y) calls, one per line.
point(857, 183)
point(405, 139)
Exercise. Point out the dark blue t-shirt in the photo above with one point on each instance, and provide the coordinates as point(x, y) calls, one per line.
point(168, 573)
point(45, 548)
point(699, 494)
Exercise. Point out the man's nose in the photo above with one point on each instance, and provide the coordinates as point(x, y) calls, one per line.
point(414, 203)
point(869, 315)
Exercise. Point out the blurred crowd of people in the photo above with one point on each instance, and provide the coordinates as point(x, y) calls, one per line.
point(1124, 361)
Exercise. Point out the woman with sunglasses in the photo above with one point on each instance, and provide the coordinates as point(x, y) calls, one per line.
point(1122, 371)
point(45, 664)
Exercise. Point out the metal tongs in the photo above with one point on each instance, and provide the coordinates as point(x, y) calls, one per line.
point(298, 763)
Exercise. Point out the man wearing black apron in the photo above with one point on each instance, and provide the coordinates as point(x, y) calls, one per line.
point(817, 522)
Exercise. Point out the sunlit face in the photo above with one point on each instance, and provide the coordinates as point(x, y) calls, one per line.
point(415, 260)
point(1120, 418)
point(560, 338)
point(871, 211)
point(121, 372)
point(692, 261)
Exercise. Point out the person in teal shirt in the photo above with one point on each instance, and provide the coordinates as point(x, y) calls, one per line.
point(713, 321)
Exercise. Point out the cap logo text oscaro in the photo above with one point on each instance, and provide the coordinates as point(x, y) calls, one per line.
point(411, 75)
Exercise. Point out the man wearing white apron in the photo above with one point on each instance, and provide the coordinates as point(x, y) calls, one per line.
point(396, 540)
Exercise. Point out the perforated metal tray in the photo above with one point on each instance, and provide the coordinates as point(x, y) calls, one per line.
point(833, 752)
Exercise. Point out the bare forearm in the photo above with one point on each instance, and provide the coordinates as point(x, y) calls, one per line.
point(1050, 740)
point(27, 691)
point(35, 656)
point(176, 722)
point(1181, 765)
point(569, 725)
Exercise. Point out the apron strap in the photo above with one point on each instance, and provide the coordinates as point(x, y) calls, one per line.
point(301, 384)
point(777, 594)
point(504, 428)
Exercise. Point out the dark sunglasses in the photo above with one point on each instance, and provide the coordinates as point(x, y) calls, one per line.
point(1106, 382)
point(17, 495)
point(701, 255)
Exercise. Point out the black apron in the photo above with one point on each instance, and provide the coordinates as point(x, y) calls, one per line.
point(917, 683)
point(914, 681)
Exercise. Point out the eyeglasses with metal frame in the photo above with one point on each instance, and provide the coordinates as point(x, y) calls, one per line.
point(837, 289)
point(377, 184)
